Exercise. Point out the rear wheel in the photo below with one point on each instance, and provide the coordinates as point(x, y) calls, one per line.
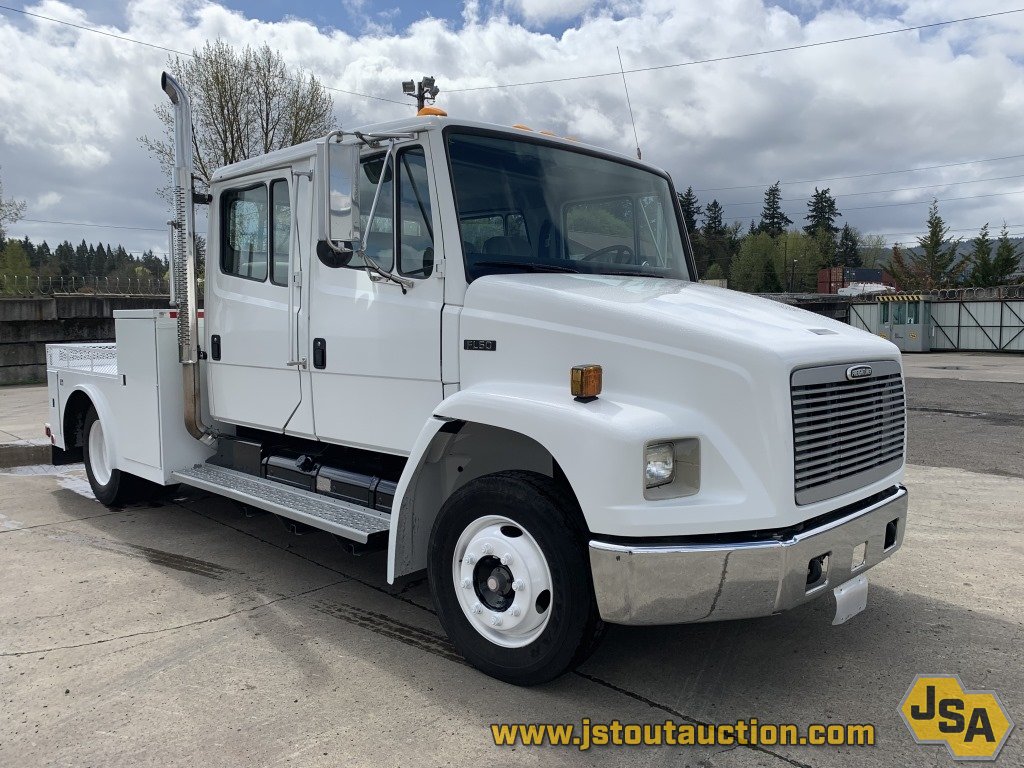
point(110, 485)
point(510, 577)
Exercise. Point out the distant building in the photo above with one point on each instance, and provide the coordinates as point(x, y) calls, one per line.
point(831, 279)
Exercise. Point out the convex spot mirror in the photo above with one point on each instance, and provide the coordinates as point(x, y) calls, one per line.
point(340, 225)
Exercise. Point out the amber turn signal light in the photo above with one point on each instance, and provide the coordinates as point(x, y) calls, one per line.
point(585, 382)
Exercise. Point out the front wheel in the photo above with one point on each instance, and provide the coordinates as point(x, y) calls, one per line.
point(510, 576)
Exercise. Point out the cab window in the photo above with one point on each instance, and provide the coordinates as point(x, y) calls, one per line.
point(256, 232)
point(282, 229)
point(246, 227)
point(410, 234)
point(380, 233)
point(416, 235)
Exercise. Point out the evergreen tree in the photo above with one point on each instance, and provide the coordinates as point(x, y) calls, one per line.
point(691, 209)
point(714, 225)
point(44, 258)
point(773, 220)
point(933, 264)
point(848, 252)
point(64, 256)
point(710, 245)
point(99, 262)
point(822, 213)
point(81, 263)
point(980, 259)
point(1007, 260)
point(715, 272)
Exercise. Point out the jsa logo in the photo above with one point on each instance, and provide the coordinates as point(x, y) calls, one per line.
point(972, 724)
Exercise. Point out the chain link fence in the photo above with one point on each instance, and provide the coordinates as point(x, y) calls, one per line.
point(25, 286)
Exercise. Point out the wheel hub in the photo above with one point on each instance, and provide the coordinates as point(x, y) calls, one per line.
point(493, 583)
point(502, 581)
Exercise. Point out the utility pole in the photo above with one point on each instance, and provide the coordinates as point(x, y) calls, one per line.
point(422, 91)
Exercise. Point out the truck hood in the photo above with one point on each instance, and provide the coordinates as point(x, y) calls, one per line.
point(676, 313)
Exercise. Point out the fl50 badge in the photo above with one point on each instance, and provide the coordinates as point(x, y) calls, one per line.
point(973, 725)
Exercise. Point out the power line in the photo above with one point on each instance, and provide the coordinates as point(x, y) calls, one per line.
point(937, 200)
point(862, 175)
point(886, 191)
point(91, 224)
point(747, 55)
point(168, 50)
point(921, 232)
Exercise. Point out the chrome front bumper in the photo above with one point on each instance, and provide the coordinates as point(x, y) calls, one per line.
point(684, 583)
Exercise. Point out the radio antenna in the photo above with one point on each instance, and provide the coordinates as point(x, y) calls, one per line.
point(628, 104)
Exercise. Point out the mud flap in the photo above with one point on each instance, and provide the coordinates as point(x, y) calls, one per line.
point(851, 599)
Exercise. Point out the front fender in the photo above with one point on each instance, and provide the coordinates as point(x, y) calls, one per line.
point(599, 447)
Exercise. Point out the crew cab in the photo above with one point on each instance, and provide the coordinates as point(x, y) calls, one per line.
point(486, 350)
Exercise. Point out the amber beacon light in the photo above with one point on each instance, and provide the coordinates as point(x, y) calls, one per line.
point(585, 382)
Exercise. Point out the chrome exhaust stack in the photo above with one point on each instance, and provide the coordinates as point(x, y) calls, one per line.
point(183, 259)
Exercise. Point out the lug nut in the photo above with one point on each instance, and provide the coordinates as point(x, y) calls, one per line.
point(487, 549)
point(476, 608)
point(516, 610)
point(518, 585)
point(496, 621)
point(506, 558)
point(469, 560)
point(466, 583)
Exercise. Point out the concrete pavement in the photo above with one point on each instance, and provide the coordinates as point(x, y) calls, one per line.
point(965, 366)
point(189, 633)
point(23, 411)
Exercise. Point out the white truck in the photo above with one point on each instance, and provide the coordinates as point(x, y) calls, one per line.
point(485, 349)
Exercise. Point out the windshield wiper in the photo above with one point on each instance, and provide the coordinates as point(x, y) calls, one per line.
point(629, 273)
point(526, 266)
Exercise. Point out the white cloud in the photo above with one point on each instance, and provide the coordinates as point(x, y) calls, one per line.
point(73, 102)
point(544, 11)
point(47, 200)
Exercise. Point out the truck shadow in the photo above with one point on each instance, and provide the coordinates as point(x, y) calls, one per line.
point(794, 667)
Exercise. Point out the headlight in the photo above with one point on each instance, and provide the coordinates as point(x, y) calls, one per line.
point(659, 464)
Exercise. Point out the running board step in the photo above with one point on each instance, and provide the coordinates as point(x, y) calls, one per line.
point(350, 521)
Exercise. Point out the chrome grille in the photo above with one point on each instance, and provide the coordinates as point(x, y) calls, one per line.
point(846, 434)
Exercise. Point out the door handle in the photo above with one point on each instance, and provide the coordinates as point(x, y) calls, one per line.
point(215, 346)
point(320, 353)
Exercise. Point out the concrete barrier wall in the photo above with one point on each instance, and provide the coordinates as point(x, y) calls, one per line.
point(27, 325)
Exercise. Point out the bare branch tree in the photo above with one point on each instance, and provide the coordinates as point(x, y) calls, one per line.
point(11, 211)
point(244, 103)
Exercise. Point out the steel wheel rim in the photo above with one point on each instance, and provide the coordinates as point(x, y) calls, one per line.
point(99, 461)
point(502, 581)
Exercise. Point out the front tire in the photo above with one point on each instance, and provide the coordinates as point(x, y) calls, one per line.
point(510, 576)
point(111, 486)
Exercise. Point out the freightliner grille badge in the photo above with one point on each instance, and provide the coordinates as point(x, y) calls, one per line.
point(855, 372)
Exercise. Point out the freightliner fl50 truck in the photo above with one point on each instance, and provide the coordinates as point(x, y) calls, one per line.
point(485, 349)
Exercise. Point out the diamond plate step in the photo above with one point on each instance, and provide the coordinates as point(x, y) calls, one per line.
point(347, 520)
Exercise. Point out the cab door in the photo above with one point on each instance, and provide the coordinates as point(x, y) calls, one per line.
point(248, 301)
point(375, 351)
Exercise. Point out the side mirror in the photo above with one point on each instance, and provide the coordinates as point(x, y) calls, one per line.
point(340, 225)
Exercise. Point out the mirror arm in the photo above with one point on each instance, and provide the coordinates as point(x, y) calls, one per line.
point(404, 283)
point(372, 267)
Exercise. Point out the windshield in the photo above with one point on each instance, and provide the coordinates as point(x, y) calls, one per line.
point(526, 207)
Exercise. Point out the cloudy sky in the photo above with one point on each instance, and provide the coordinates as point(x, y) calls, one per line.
point(884, 110)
